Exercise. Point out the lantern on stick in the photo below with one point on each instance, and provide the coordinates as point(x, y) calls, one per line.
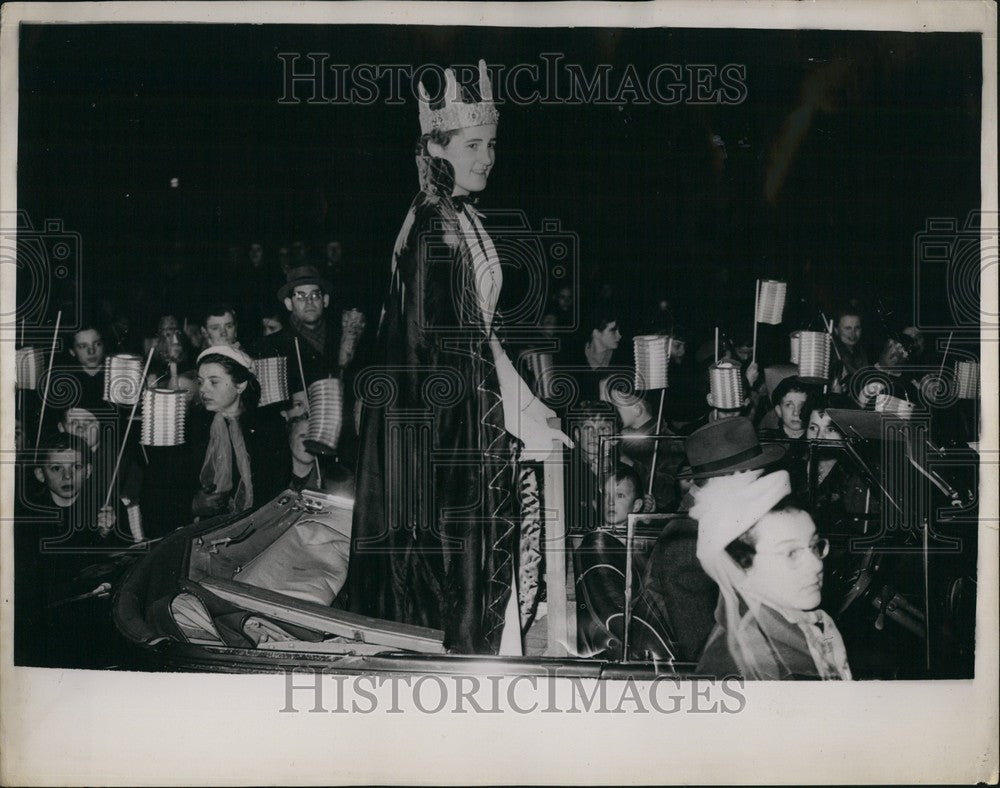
point(164, 414)
point(272, 372)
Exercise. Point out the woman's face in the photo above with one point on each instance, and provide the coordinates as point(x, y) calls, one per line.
point(821, 427)
point(219, 394)
point(609, 337)
point(471, 152)
point(786, 570)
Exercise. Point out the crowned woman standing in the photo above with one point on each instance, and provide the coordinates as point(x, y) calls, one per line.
point(445, 416)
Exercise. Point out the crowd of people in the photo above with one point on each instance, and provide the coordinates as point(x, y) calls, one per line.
point(737, 581)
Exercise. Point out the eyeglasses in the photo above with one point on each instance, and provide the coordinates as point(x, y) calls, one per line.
point(303, 298)
point(820, 548)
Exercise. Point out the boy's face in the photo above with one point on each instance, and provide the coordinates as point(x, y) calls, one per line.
point(88, 349)
point(64, 473)
point(621, 499)
point(789, 411)
point(220, 329)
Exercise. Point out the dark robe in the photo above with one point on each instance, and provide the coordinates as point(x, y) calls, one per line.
point(435, 531)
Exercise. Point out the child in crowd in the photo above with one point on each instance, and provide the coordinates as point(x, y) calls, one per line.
point(61, 529)
point(788, 399)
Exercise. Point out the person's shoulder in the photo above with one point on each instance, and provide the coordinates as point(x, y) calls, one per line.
point(716, 660)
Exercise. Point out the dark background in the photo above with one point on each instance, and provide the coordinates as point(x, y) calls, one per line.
point(110, 113)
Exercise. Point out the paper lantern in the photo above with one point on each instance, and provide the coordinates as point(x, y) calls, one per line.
point(814, 355)
point(967, 378)
point(272, 373)
point(726, 381)
point(771, 302)
point(326, 413)
point(540, 365)
point(30, 366)
point(122, 379)
point(164, 412)
point(652, 358)
point(794, 338)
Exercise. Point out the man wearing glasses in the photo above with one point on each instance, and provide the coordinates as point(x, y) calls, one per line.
point(326, 346)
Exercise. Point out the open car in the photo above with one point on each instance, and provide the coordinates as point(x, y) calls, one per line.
point(258, 592)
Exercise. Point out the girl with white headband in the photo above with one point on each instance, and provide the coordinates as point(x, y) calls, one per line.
point(763, 552)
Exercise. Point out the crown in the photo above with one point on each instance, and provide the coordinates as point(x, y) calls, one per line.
point(457, 114)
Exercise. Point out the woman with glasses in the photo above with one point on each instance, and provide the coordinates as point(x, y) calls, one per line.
point(763, 551)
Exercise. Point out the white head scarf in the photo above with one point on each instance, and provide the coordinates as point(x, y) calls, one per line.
point(726, 507)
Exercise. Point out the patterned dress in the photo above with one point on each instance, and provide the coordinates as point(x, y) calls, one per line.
point(435, 535)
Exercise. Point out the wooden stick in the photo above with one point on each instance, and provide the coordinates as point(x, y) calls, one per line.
point(627, 615)
point(829, 329)
point(302, 376)
point(945, 356)
point(656, 443)
point(48, 379)
point(756, 302)
point(659, 418)
point(128, 426)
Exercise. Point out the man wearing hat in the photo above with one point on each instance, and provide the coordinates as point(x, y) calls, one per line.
point(326, 346)
point(675, 583)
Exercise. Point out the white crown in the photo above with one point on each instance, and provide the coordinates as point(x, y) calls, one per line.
point(457, 114)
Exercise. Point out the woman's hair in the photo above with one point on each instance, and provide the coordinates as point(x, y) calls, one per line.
point(744, 547)
point(442, 138)
point(250, 395)
point(600, 317)
point(817, 402)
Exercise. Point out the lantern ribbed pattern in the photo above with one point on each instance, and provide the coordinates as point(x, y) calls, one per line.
point(164, 413)
point(967, 378)
point(814, 355)
point(272, 373)
point(726, 381)
point(652, 358)
point(326, 412)
point(122, 379)
point(30, 366)
point(771, 303)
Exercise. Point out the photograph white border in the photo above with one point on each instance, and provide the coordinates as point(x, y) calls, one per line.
point(83, 727)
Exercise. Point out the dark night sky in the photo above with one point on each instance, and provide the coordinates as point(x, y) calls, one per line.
point(108, 114)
